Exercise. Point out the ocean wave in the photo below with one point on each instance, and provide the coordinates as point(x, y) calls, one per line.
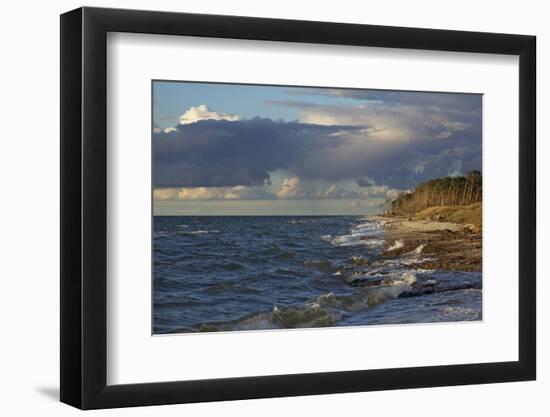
point(390, 288)
point(302, 221)
point(325, 310)
point(441, 285)
point(278, 253)
point(357, 261)
point(329, 309)
point(312, 315)
point(324, 266)
point(232, 266)
point(403, 261)
point(279, 318)
point(225, 287)
point(368, 233)
point(270, 279)
point(201, 232)
point(353, 240)
point(260, 321)
point(367, 297)
point(461, 313)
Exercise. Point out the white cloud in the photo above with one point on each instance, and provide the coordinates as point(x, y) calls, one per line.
point(394, 144)
point(447, 128)
point(380, 125)
point(202, 112)
point(398, 122)
point(293, 188)
point(444, 135)
point(286, 187)
point(455, 126)
point(381, 191)
point(337, 192)
point(239, 192)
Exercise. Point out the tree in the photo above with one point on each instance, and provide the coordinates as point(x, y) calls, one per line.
point(440, 192)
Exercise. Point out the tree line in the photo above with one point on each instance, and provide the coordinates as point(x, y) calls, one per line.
point(447, 191)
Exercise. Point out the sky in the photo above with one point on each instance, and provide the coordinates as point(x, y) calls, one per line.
point(235, 149)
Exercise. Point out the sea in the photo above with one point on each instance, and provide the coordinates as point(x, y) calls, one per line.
point(244, 273)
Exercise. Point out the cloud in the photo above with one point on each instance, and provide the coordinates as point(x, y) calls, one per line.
point(406, 137)
point(379, 125)
point(202, 112)
point(212, 193)
point(446, 128)
point(388, 121)
point(436, 100)
point(382, 191)
point(391, 115)
point(371, 190)
point(218, 153)
point(157, 129)
point(394, 139)
point(334, 191)
point(293, 188)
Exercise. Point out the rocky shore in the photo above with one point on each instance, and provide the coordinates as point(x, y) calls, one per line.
point(448, 246)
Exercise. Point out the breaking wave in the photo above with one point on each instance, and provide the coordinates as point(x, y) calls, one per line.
point(325, 310)
point(256, 273)
point(367, 233)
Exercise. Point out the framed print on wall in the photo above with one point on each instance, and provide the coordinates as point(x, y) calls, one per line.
point(257, 208)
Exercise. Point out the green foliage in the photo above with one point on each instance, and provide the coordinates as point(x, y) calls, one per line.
point(447, 191)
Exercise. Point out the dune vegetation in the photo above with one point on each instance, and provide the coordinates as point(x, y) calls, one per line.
point(471, 214)
point(448, 199)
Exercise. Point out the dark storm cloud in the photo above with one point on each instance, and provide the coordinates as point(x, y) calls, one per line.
point(413, 136)
point(222, 153)
point(402, 165)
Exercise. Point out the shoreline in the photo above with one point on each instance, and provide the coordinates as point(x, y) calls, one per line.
point(450, 246)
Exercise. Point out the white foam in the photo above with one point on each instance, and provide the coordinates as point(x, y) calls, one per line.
point(360, 234)
point(397, 245)
point(391, 289)
point(418, 250)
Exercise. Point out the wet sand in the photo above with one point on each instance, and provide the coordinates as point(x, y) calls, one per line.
point(452, 246)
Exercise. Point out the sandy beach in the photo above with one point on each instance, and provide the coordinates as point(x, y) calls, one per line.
point(452, 246)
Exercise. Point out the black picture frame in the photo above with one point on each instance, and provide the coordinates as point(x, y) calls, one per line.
point(84, 207)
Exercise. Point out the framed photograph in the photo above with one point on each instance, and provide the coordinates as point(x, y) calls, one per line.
point(257, 208)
